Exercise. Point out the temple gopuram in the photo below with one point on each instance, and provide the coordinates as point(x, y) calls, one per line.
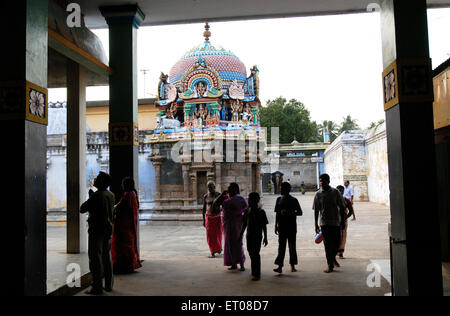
point(208, 129)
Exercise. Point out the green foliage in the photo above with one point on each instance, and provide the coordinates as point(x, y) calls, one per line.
point(332, 127)
point(348, 124)
point(373, 124)
point(292, 118)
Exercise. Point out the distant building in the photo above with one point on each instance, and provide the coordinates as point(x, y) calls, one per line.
point(298, 162)
point(97, 150)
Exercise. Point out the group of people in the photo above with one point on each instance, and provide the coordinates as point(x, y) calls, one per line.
point(113, 229)
point(229, 215)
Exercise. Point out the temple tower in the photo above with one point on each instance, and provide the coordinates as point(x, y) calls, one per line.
point(208, 129)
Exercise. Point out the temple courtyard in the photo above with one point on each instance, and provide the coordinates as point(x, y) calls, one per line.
point(176, 260)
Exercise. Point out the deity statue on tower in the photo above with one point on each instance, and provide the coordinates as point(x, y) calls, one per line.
point(200, 115)
point(236, 108)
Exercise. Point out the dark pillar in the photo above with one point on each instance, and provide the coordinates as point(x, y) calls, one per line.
point(408, 97)
point(23, 115)
point(443, 180)
point(76, 157)
point(123, 22)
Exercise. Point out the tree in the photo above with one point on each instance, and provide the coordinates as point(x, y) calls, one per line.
point(292, 118)
point(332, 127)
point(348, 124)
point(373, 124)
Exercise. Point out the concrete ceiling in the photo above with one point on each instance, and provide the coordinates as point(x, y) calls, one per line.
point(160, 12)
point(57, 72)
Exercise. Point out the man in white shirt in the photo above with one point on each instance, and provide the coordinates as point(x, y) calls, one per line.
point(348, 193)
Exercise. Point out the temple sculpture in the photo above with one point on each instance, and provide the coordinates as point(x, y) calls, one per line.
point(207, 129)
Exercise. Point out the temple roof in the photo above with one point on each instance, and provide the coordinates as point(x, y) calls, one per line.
point(225, 62)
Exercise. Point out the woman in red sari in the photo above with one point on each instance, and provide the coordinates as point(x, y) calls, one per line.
point(124, 250)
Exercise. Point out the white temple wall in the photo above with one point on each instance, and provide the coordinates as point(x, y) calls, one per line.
point(377, 165)
point(354, 164)
point(361, 158)
point(56, 182)
point(334, 163)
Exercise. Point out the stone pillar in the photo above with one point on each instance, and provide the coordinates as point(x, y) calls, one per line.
point(76, 157)
point(258, 178)
point(194, 187)
point(123, 22)
point(219, 177)
point(186, 181)
point(408, 97)
point(24, 116)
point(157, 167)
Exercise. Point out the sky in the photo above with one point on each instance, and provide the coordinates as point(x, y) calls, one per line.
point(332, 64)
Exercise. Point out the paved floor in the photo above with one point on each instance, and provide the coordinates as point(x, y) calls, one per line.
point(177, 263)
point(58, 261)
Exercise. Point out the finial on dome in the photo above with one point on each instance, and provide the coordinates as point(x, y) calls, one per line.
point(207, 33)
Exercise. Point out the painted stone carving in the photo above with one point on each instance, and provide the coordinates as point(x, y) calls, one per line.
point(236, 91)
point(211, 87)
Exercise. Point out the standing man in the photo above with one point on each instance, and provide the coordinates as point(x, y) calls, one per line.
point(329, 205)
point(100, 207)
point(212, 220)
point(348, 194)
point(287, 209)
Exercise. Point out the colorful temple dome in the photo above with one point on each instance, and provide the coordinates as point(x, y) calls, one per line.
point(208, 87)
point(227, 64)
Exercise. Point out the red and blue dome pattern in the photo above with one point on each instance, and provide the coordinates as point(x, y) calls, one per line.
point(224, 62)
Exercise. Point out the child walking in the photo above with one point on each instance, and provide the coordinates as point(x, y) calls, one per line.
point(255, 221)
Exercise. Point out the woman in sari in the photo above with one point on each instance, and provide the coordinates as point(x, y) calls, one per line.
point(124, 250)
point(212, 220)
point(233, 213)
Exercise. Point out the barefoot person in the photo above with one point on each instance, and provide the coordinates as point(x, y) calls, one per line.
point(329, 205)
point(212, 220)
point(349, 212)
point(233, 212)
point(124, 250)
point(255, 221)
point(100, 208)
point(287, 209)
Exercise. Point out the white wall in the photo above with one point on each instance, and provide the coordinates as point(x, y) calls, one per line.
point(56, 182)
point(334, 163)
point(361, 157)
point(377, 165)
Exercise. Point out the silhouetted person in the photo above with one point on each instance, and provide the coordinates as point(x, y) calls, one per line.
point(329, 205)
point(287, 209)
point(100, 207)
point(348, 213)
point(233, 212)
point(255, 221)
point(124, 250)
